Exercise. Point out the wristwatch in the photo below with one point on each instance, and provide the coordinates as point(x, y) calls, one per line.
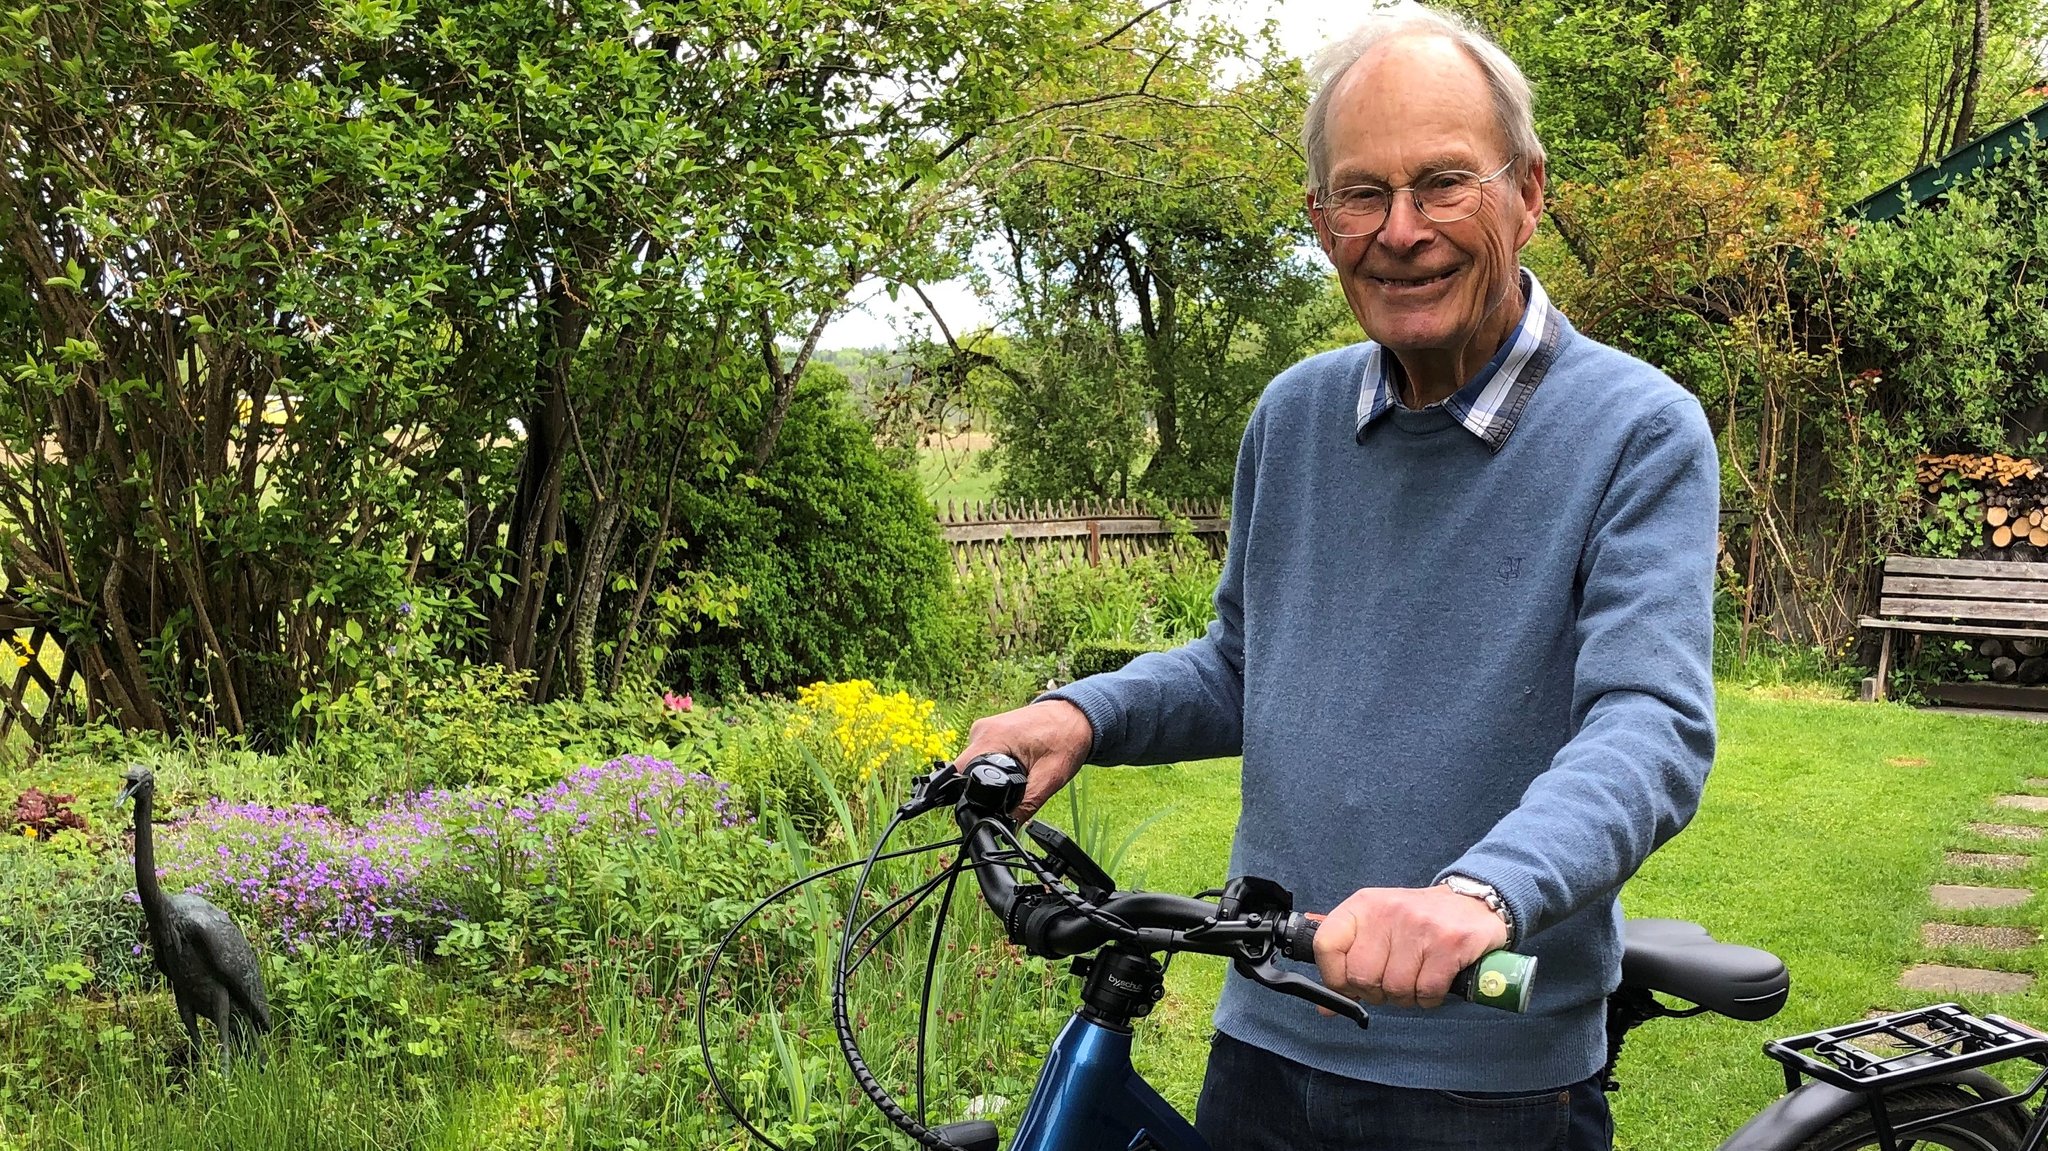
point(1484, 893)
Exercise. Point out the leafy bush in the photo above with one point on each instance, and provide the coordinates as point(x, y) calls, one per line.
point(1095, 658)
point(473, 728)
point(63, 921)
point(840, 556)
point(347, 1002)
point(1162, 598)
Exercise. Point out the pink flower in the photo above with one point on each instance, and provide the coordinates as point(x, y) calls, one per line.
point(676, 702)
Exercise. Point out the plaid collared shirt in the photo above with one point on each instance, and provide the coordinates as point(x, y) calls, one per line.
point(1490, 404)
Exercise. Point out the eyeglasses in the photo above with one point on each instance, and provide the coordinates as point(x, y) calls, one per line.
point(1441, 197)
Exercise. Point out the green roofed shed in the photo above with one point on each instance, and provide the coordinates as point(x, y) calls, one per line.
point(1935, 180)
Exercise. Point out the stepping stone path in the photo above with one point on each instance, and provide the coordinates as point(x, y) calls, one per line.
point(1950, 896)
point(1989, 938)
point(1986, 859)
point(1945, 980)
point(1963, 980)
point(2006, 831)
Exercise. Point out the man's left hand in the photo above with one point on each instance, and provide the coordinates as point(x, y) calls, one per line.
point(1404, 945)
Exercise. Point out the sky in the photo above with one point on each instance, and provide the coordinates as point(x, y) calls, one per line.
point(873, 320)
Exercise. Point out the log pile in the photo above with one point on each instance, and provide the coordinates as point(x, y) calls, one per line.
point(2021, 661)
point(2001, 469)
point(2012, 521)
point(2013, 513)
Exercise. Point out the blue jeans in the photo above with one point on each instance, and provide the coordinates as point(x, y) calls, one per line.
point(1254, 1100)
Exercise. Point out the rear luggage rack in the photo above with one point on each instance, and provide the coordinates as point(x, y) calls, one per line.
point(1895, 1049)
point(1872, 1056)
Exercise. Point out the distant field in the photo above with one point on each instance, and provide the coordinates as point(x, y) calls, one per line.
point(950, 469)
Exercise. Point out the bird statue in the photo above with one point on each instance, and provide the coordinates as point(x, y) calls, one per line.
point(211, 967)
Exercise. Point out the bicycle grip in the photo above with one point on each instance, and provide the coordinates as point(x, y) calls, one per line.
point(1500, 979)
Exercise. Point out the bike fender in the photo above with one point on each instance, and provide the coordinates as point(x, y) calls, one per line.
point(1801, 1114)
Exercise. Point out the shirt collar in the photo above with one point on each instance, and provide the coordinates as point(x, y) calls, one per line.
point(1491, 403)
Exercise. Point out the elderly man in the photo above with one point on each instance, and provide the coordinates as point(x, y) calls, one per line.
point(1462, 639)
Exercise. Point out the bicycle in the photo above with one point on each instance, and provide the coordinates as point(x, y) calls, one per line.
point(1907, 1080)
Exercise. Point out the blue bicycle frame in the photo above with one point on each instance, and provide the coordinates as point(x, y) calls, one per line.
point(1090, 1098)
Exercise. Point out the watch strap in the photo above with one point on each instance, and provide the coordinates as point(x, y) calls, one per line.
point(1484, 892)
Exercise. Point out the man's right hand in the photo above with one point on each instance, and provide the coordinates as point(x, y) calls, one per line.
point(1050, 738)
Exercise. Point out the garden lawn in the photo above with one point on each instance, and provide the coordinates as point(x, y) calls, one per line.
point(1822, 827)
point(955, 473)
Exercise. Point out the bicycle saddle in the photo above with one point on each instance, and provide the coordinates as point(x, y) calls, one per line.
point(1680, 958)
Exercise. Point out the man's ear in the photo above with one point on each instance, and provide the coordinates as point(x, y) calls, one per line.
point(1323, 238)
point(1530, 188)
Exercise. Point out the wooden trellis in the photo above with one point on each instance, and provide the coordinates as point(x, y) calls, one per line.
point(1010, 542)
point(53, 698)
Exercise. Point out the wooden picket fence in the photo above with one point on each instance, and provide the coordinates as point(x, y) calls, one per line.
point(33, 698)
point(1010, 542)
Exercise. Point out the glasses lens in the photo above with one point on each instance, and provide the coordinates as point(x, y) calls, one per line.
point(1449, 196)
point(1356, 211)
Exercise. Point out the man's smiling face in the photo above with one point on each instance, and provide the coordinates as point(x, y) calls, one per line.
point(1412, 106)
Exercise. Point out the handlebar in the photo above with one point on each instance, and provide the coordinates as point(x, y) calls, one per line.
point(1074, 908)
point(1500, 979)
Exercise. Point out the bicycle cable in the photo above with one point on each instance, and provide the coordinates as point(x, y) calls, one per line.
point(1019, 855)
point(711, 966)
point(913, 899)
point(931, 964)
point(1058, 887)
point(849, 1046)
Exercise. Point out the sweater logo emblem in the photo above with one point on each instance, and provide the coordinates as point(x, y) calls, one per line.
point(1509, 571)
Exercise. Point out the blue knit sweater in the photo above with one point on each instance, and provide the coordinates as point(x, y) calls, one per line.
point(1433, 659)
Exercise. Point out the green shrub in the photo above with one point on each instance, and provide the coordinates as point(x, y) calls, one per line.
point(362, 1005)
point(474, 727)
point(1095, 658)
point(64, 921)
point(1162, 598)
point(839, 553)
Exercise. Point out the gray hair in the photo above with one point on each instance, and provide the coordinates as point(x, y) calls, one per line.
point(1513, 104)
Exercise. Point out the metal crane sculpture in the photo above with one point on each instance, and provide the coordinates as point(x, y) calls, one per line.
point(211, 967)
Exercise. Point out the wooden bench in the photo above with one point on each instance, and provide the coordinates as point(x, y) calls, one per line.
point(1966, 597)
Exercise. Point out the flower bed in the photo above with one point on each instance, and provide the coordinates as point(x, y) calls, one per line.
point(411, 868)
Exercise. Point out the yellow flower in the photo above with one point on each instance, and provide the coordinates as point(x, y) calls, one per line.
point(871, 730)
point(28, 832)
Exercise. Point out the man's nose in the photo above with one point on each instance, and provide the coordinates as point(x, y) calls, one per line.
point(1406, 226)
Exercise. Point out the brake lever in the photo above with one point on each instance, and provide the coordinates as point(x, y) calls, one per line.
point(1263, 970)
point(941, 787)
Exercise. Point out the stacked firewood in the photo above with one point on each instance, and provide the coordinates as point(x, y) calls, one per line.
point(2013, 512)
point(2022, 661)
point(2000, 469)
point(2012, 524)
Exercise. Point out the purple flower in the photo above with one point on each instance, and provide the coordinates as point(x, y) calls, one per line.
point(409, 867)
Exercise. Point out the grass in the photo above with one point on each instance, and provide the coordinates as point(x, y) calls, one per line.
point(957, 474)
point(1822, 827)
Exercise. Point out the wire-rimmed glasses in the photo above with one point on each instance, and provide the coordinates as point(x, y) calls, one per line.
point(1442, 197)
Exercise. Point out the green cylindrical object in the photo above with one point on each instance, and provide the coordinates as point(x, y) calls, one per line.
point(1501, 979)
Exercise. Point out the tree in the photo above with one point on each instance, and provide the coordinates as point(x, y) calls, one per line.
point(327, 315)
point(1148, 254)
point(1874, 80)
